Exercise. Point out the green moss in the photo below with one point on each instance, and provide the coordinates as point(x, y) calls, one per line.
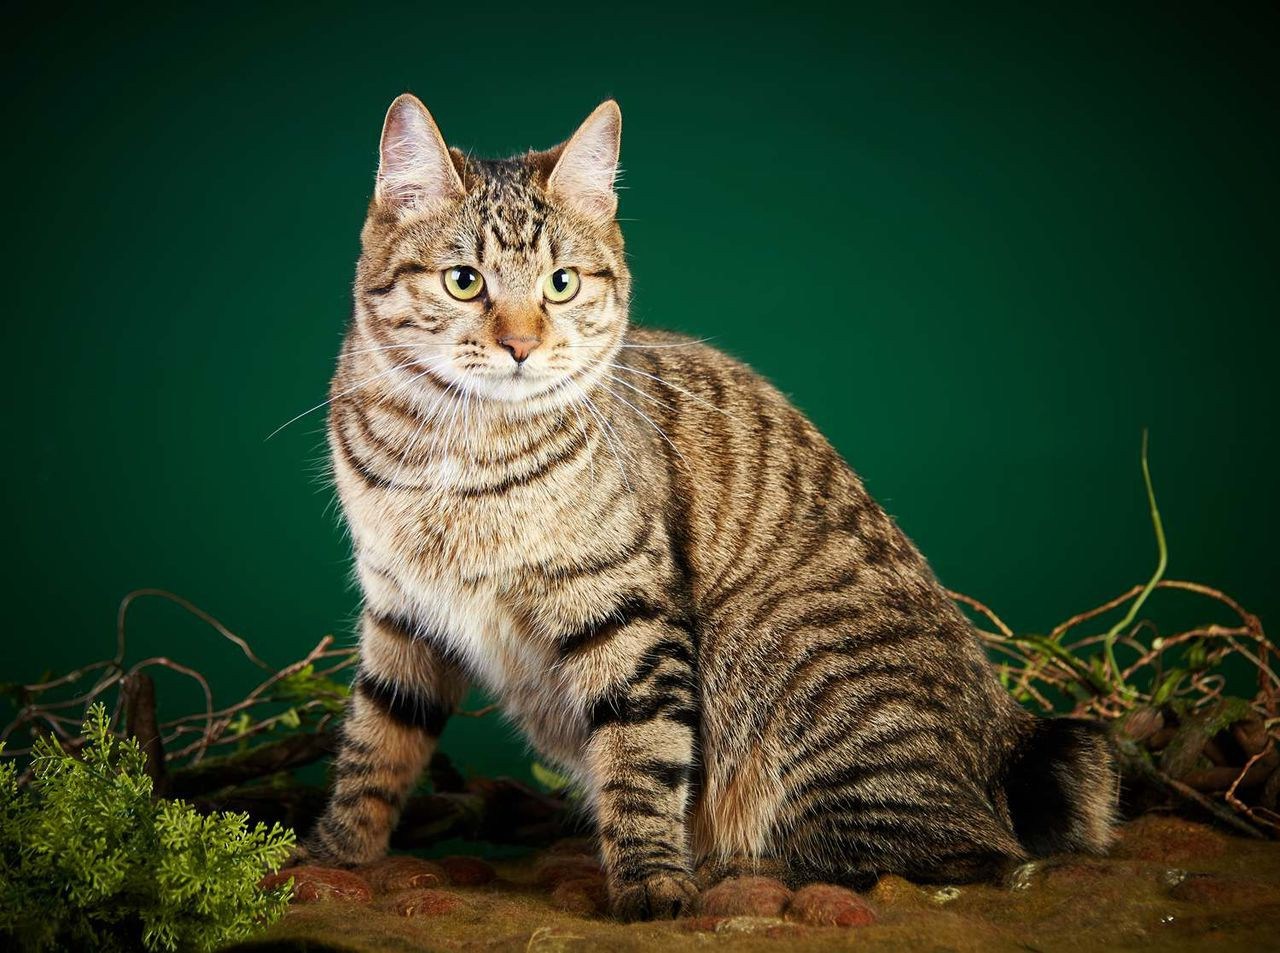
point(89, 860)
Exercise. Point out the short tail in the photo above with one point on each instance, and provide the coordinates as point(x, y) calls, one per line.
point(1063, 788)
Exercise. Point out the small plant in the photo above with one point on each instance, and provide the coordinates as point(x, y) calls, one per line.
point(1176, 726)
point(89, 861)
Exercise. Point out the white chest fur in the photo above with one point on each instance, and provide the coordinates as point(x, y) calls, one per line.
point(445, 594)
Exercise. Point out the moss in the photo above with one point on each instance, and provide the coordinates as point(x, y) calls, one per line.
point(1172, 885)
point(89, 861)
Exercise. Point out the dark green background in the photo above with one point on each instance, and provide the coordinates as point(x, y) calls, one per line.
point(983, 249)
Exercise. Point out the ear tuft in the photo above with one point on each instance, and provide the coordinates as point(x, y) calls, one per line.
point(414, 168)
point(584, 174)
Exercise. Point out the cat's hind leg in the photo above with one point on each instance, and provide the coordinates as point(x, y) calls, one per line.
point(850, 826)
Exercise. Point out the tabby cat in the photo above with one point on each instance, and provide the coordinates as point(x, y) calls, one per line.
point(673, 584)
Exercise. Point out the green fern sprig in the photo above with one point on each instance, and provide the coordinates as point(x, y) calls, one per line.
point(89, 860)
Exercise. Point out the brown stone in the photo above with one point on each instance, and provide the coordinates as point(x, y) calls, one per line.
point(404, 873)
point(894, 891)
point(573, 845)
point(745, 897)
point(825, 905)
point(1168, 840)
point(467, 871)
point(312, 884)
point(586, 896)
point(1210, 779)
point(1252, 736)
point(557, 868)
point(423, 904)
point(1260, 770)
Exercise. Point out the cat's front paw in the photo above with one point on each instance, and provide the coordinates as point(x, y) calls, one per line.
point(298, 857)
point(660, 897)
point(313, 851)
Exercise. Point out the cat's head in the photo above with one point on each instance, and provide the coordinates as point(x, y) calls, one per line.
point(503, 279)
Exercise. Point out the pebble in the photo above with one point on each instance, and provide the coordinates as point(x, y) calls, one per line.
point(586, 896)
point(467, 871)
point(745, 897)
point(894, 891)
point(825, 905)
point(404, 873)
point(573, 845)
point(312, 884)
point(553, 869)
point(423, 904)
point(1168, 840)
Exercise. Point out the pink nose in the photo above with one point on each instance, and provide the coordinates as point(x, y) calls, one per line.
point(519, 347)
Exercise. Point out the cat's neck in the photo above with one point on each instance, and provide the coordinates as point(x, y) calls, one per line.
point(427, 420)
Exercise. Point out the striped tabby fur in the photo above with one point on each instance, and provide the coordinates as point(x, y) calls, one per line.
point(673, 584)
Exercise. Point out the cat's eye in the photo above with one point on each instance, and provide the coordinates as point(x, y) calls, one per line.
point(463, 282)
point(561, 285)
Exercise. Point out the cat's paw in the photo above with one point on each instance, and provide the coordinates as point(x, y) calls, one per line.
point(312, 852)
point(660, 897)
point(298, 857)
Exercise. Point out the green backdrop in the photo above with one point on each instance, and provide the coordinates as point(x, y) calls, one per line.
point(983, 248)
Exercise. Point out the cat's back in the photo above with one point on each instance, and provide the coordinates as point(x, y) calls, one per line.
point(761, 491)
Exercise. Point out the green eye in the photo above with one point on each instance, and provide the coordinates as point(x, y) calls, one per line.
point(462, 282)
point(561, 285)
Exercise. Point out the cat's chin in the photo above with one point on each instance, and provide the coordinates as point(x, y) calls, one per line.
point(520, 389)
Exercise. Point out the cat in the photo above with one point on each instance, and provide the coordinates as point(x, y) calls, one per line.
point(668, 578)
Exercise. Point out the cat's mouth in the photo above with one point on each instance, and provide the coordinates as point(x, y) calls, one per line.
point(513, 385)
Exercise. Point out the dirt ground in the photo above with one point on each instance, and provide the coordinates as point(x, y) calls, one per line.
point(1169, 885)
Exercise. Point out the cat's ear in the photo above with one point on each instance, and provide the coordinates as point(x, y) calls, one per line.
point(588, 164)
point(414, 167)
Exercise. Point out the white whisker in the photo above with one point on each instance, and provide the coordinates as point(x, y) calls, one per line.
point(658, 347)
point(675, 387)
point(326, 403)
point(641, 391)
point(662, 433)
point(586, 433)
point(399, 347)
point(610, 435)
point(647, 347)
point(427, 415)
point(446, 445)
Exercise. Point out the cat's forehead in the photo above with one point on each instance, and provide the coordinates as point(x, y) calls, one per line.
point(518, 180)
point(505, 221)
point(508, 204)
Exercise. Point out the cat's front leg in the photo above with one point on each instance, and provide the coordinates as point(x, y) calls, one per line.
point(640, 758)
point(404, 691)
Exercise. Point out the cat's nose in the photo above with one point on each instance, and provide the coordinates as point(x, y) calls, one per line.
point(519, 347)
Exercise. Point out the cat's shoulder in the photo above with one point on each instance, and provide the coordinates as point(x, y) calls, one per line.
point(658, 344)
point(671, 352)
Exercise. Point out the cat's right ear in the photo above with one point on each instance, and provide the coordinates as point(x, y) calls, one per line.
point(414, 168)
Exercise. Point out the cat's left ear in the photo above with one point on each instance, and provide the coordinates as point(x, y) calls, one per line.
point(588, 164)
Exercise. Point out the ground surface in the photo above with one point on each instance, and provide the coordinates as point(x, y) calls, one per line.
point(1169, 885)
